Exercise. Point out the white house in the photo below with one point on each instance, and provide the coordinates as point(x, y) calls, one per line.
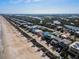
point(74, 48)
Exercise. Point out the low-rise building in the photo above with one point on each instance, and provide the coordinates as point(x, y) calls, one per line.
point(74, 49)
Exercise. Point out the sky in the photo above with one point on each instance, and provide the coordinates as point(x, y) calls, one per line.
point(39, 6)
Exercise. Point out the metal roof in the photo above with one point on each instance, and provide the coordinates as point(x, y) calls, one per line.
point(72, 27)
point(75, 45)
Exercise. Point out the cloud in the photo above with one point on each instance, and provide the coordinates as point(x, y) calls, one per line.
point(15, 1)
point(32, 1)
point(36, 0)
point(23, 1)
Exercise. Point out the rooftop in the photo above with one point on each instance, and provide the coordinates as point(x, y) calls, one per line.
point(75, 45)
